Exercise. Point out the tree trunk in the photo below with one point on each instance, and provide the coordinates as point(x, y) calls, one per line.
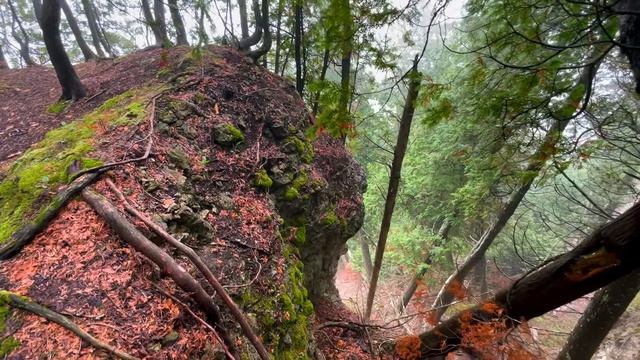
point(276, 66)
point(297, 44)
point(537, 161)
point(247, 42)
point(366, 256)
point(480, 277)
point(607, 255)
point(262, 22)
point(178, 24)
point(3, 60)
point(323, 74)
point(23, 40)
point(102, 34)
point(87, 53)
point(151, 22)
point(244, 20)
point(72, 88)
point(394, 180)
point(604, 310)
point(443, 234)
point(158, 12)
point(93, 26)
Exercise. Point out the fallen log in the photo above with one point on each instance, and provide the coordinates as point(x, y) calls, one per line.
point(607, 255)
point(23, 303)
point(128, 233)
point(201, 266)
point(28, 232)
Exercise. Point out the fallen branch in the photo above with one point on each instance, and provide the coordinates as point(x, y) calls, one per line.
point(201, 266)
point(28, 232)
point(198, 319)
point(128, 233)
point(145, 156)
point(23, 303)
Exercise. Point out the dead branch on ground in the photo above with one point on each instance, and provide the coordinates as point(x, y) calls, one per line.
point(23, 303)
point(201, 266)
point(130, 234)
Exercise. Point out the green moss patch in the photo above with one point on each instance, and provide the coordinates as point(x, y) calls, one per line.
point(43, 168)
point(283, 315)
point(291, 194)
point(304, 148)
point(262, 180)
point(57, 107)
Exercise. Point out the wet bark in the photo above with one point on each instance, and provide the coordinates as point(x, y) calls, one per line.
point(297, 44)
point(3, 60)
point(244, 21)
point(247, 42)
point(262, 22)
point(72, 88)
point(178, 24)
point(366, 257)
point(161, 23)
point(87, 53)
point(608, 254)
point(23, 37)
point(394, 181)
point(158, 33)
point(87, 6)
point(604, 310)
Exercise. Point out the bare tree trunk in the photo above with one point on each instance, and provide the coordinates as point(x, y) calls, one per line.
point(87, 53)
point(102, 34)
point(604, 310)
point(366, 256)
point(276, 66)
point(158, 12)
point(202, 33)
point(247, 42)
point(152, 23)
point(72, 88)
point(178, 24)
point(480, 277)
point(3, 60)
point(537, 161)
point(262, 22)
point(244, 20)
point(443, 234)
point(323, 74)
point(93, 26)
point(297, 44)
point(607, 255)
point(23, 40)
point(394, 180)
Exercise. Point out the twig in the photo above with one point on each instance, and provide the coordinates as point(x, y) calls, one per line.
point(198, 318)
point(127, 161)
point(250, 282)
point(130, 234)
point(201, 266)
point(25, 304)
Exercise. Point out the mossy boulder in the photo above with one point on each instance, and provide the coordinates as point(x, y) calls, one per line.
point(227, 134)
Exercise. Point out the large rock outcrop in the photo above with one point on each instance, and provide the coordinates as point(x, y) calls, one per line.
point(233, 174)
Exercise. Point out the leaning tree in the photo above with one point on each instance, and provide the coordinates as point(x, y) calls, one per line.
point(49, 19)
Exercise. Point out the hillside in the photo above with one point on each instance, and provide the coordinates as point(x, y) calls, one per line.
point(231, 173)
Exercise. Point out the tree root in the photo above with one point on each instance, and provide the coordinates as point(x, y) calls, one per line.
point(128, 232)
point(23, 303)
point(198, 318)
point(28, 232)
point(201, 266)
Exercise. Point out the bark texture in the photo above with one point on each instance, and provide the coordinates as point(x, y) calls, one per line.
point(72, 88)
point(178, 24)
point(87, 53)
point(607, 255)
point(394, 181)
point(604, 310)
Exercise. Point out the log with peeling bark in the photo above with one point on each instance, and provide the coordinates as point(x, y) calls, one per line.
point(131, 235)
point(607, 255)
point(23, 303)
